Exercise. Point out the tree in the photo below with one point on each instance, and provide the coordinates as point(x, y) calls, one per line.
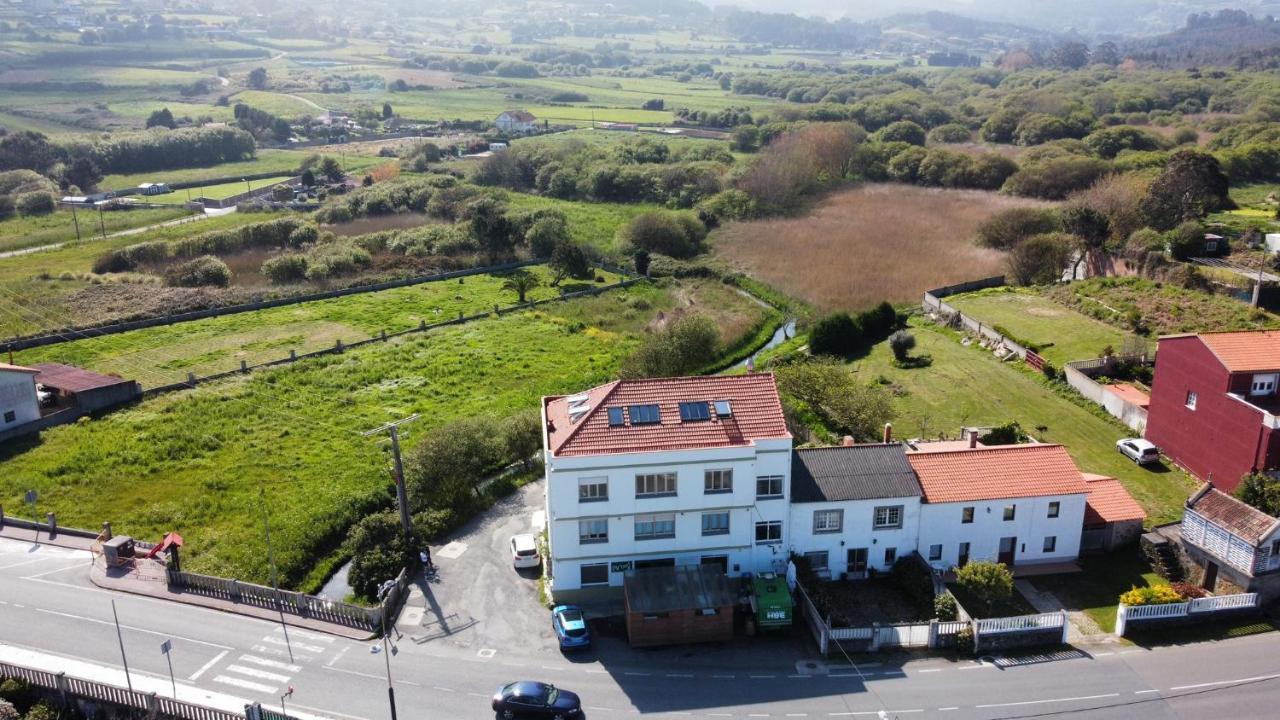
point(445, 469)
point(901, 131)
point(1191, 186)
point(308, 178)
point(678, 234)
point(387, 113)
point(902, 343)
point(1186, 240)
point(1040, 259)
point(1006, 229)
point(332, 170)
point(828, 390)
point(491, 228)
point(83, 173)
point(522, 437)
point(378, 552)
point(837, 335)
point(1262, 491)
point(641, 260)
point(520, 282)
point(545, 234)
point(1090, 228)
point(569, 260)
point(161, 118)
point(34, 204)
point(206, 270)
point(685, 346)
point(989, 582)
point(258, 78)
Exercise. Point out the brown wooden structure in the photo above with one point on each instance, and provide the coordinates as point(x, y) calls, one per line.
point(674, 605)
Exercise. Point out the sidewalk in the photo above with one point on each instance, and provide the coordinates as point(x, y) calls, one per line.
point(62, 540)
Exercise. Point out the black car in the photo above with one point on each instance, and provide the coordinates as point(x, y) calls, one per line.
point(527, 698)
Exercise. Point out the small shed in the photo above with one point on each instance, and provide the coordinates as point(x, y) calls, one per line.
point(154, 188)
point(85, 390)
point(1112, 518)
point(675, 605)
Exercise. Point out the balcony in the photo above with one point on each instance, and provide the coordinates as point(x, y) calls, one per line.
point(1268, 406)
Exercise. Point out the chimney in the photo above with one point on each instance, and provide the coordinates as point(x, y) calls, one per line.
point(846, 441)
point(888, 433)
point(973, 438)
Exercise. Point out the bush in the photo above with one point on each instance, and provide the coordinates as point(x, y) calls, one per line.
point(901, 131)
point(945, 608)
point(8, 711)
point(1006, 229)
point(287, 268)
point(431, 525)
point(1186, 240)
point(1008, 434)
point(43, 710)
point(36, 203)
point(837, 335)
point(677, 234)
point(1150, 595)
point(915, 581)
point(685, 346)
point(1188, 591)
point(902, 343)
point(949, 134)
point(1040, 259)
point(204, 271)
point(990, 582)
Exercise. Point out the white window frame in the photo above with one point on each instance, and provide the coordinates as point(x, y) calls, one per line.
point(828, 521)
point(716, 530)
point(888, 522)
point(650, 482)
point(771, 479)
point(589, 489)
point(1263, 384)
point(719, 480)
point(1191, 400)
point(769, 527)
point(593, 566)
point(589, 532)
point(653, 520)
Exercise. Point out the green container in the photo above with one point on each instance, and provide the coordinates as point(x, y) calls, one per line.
point(771, 599)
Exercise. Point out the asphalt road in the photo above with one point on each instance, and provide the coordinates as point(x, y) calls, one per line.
point(51, 616)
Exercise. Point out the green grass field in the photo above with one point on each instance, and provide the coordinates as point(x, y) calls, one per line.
point(1064, 334)
point(967, 386)
point(216, 192)
point(27, 232)
point(284, 162)
point(161, 355)
point(593, 224)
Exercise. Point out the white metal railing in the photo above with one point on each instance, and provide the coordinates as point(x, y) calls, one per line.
point(862, 633)
point(1203, 607)
point(1153, 612)
point(1020, 622)
point(1224, 602)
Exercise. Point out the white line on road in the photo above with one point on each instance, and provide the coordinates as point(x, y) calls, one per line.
point(723, 677)
point(1050, 700)
point(134, 629)
point(79, 564)
point(679, 675)
point(948, 709)
point(206, 666)
point(308, 635)
point(280, 653)
point(1144, 692)
point(260, 674)
point(24, 562)
point(930, 670)
point(552, 667)
point(605, 709)
point(598, 672)
point(245, 684)
point(762, 677)
point(336, 658)
point(371, 677)
point(442, 689)
point(636, 674)
point(255, 660)
point(1226, 682)
point(279, 641)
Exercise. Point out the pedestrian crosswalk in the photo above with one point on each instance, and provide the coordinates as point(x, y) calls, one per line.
point(271, 663)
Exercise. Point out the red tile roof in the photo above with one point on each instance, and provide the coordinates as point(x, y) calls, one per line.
point(1247, 351)
point(6, 367)
point(1242, 520)
point(73, 379)
point(1130, 394)
point(757, 414)
point(995, 473)
point(1109, 502)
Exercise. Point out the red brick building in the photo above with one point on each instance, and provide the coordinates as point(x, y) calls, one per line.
point(1214, 407)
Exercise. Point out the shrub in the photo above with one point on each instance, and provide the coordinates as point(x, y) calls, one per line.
point(43, 710)
point(1006, 229)
point(305, 235)
point(1188, 591)
point(828, 390)
point(1186, 240)
point(902, 343)
point(685, 346)
point(545, 234)
point(945, 608)
point(901, 131)
point(8, 711)
point(989, 582)
point(1008, 434)
point(36, 203)
point(1150, 595)
point(281, 269)
point(335, 259)
point(641, 259)
point(204, 271)
point(950, 133)
point(678, 234)
point(1040, 259)
point(836, 335)
point(431, 525)
point(569, 260)
point(915, 581)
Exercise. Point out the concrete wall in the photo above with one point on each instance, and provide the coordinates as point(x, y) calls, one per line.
point(940, 523)
point(857, 532)
point(18, 396)
point(1078, 376)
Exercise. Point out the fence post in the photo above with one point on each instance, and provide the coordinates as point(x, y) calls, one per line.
point(106, 528)
point(977, 632)
point(244, 366)
point(875, 637)
point(153, 705)
point(63, 689)
point(1065, 625)
point(337, 345)
point(422, 325)
point(293, 355)
point(933, 634)
point(52, 519)
point(191, 378)
point(1121, 615)
point(384, 334)
point(235, 590)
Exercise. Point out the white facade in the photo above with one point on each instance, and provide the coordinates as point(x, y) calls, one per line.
point(1042, 529)
point(18, 402)
point(509, 123)
point(872, 534)
point(597, 519)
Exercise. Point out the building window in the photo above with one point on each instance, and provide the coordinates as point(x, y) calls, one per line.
point(818, 560)
point(593, 489)
point(1191, 400)
point(717, 481)
point(935, 552)
point(966, 515)
point(694, 411)
point(593, 531)
point(10, 416)
point(615, 417)
point(1263, 385)
point(594, 574)
point(1051, 543)
point(827, 521)
point(1009, 512)
point(655, 527)
point(715, 523)
point(1054, 508)
point(769, 486)
point(888, 517)
point(655, 484)
point(644, 414)
point(890, 556)
point(768, 532)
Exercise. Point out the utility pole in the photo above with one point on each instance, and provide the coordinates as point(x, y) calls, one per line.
point(1257, 286)
point(75, 220)
point(102, 223)
point(271, 560)
point(402, 497)
point(120, 637)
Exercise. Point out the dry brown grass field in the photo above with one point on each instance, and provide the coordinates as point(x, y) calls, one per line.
point(872, 243)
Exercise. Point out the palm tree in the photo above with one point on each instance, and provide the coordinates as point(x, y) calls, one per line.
point(521, 282)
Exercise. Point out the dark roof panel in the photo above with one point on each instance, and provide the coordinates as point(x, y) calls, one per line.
point(687, 587)
point(74, 379)
point(857, 472)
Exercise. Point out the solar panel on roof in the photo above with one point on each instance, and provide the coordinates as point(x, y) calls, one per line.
point(644, 414)
point(694, 411)
point(615, 417)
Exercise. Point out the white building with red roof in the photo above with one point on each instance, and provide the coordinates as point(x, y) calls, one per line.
point(18, 402)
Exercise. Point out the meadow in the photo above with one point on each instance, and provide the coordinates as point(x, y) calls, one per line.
point(1025, 314)
point(196, 461)
point(284, 162)
point(215, 192)
point(858, 247)
point(590, 223)
point(1159, 308)
point(17, 233)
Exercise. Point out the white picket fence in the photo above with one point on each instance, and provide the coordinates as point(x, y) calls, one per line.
point(1021, 623)
point(1199, 607)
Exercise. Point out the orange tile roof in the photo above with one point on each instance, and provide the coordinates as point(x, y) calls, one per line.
point(1247, 351)
point(1130, 394)
point(1234, 516)
point(757, 414)
point(17, 368)
point(1109, 502)
point(995, 473)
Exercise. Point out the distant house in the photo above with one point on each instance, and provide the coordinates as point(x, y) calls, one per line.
point(1225, 538)
point(19, 403)
point(1214, 404)
point(58, 393)
point(516, 122)
point(154, 188)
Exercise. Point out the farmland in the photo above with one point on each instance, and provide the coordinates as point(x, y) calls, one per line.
point(17, 233)
point(1062, 334)
point(284, 162)
point(873, 243)
point(215, 192)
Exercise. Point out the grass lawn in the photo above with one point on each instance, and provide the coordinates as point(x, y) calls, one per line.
point(165, 354)
point(217, 192)
point(285, 162)
point(1096, 591)
point(590, 223)
point(1026, 315)
point(968, 386)
point(1162, 308)
point(24, 232)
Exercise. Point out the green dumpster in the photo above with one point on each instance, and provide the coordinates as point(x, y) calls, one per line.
point(771, 601)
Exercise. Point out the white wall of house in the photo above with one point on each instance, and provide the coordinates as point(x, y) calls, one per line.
point(943, 524)
point(575, 515)
point(858, 530)
point(18, 403)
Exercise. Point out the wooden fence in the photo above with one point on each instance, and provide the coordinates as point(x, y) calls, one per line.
point(68, 689)
point(1196, 609)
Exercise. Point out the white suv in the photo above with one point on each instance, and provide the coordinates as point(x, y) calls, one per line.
point(524, 551)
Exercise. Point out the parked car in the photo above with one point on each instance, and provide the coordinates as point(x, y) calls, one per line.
point(571, 627)
point(1139, 450)
point(528, 698)
point(524, 551)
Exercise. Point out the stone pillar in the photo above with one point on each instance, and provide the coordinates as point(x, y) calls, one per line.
point(52, 520)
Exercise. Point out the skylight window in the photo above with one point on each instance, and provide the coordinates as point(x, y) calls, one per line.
point(644, 414)
point(723, 409)
point(615, 417)
point(694, 411)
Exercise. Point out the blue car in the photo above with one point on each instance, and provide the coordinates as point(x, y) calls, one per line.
point(570, 626)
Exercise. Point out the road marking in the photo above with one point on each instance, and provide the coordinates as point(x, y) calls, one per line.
point(797, 714)
point(255, 660)
point(134, 629)
point(605, 709)
point(260, 674)
point(308, 635)
point(58, 570)
point(636, 674)
point(24, 562)
point(280, 653)
point(762, 677)
point(553, 667)
point(1051, 700)
point(796, 677)
point(844, 675)
point(948, 709)
point(442, 689)
point(598, 672)
point(279, 641)
point(245, 684)
point(372, 677)
point(1144, 692)
point(487, 653)
point(723, 677)
point(930, 670)
point(1103, 654)
point(334, 660)
point(679, 675)
point(1226, 682)
point(973, 667)
point(206, 666)
point(475, 694)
